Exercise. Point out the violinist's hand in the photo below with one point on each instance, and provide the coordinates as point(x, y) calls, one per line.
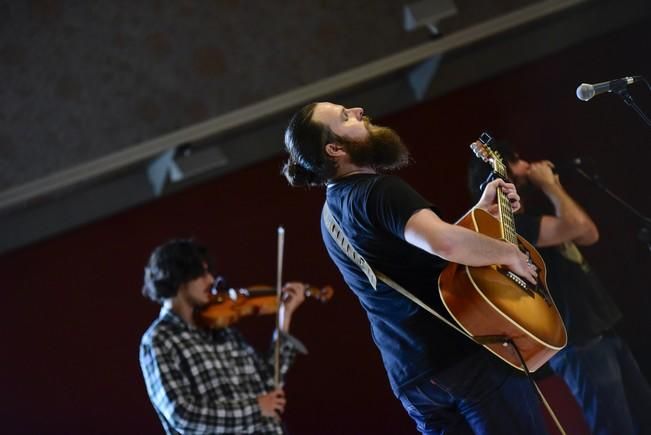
point(272, 404)
point(488, 200)
point(293, 295)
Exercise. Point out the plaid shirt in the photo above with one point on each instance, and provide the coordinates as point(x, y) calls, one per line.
point(208, 381)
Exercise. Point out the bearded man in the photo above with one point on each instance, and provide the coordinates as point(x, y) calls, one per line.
point(445, 382)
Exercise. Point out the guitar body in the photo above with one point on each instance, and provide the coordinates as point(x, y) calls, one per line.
point(488, 301)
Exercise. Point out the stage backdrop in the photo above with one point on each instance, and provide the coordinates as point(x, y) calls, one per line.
point(74, 314)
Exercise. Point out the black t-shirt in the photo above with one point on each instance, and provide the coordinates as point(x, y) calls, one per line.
point(373, 211)
point(585, 305)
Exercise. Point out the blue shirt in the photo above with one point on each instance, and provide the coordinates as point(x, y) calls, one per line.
point(372, 211)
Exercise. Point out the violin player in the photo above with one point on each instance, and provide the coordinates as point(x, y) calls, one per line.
point(203, 380)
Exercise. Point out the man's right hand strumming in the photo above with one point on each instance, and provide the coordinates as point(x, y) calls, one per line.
point(522, 265)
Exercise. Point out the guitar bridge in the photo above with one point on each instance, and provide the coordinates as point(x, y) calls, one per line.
point(519, 281)
point(531, 291)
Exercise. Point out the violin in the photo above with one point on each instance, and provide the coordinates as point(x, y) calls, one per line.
point(227, 306)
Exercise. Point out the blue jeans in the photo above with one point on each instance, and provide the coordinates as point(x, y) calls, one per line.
point(480, 395)
point(608, 385)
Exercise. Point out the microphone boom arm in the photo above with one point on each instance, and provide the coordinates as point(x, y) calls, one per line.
point(628, 99)
point(644, 234)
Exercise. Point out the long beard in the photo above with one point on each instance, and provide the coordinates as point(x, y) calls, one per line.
point(382, 150)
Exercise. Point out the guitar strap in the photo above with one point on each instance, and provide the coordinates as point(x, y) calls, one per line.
point(373, 275)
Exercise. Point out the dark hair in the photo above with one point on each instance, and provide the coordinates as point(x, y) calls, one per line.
point(479, 171)
point(305, 141)
point(171, 265)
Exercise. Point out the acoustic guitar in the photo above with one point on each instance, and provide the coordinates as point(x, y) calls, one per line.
point(493, 304)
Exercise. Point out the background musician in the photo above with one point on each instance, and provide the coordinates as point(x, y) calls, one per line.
point(208, 380)
point(446, 383)
point(597, 365)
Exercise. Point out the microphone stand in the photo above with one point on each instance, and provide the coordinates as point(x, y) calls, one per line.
point(644, 233)
point(628, 99)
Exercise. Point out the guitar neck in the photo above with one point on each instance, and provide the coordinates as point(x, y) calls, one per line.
point(507, 222)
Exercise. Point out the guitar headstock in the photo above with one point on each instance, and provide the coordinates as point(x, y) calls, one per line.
point(482, 150)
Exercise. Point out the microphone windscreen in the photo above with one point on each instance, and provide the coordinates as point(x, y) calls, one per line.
point(584, 92)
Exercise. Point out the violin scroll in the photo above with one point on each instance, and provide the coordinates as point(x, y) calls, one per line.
point(320, 294)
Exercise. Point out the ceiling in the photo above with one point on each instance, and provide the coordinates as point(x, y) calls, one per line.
point(106, 105)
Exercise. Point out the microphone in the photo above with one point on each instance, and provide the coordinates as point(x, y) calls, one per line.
point(586, 91)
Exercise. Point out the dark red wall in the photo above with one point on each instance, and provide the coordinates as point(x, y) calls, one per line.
point(74, 314)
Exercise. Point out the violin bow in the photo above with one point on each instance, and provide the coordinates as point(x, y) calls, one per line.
point(279, 280)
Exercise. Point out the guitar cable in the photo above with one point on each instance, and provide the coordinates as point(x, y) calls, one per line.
point(540, 394)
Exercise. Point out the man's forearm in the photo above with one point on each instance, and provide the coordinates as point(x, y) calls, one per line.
point(476, 249)
point(573, 220)
point(455, 243)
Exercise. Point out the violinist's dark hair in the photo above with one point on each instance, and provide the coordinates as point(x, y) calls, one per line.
point(171, 265)
point(305, 141)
